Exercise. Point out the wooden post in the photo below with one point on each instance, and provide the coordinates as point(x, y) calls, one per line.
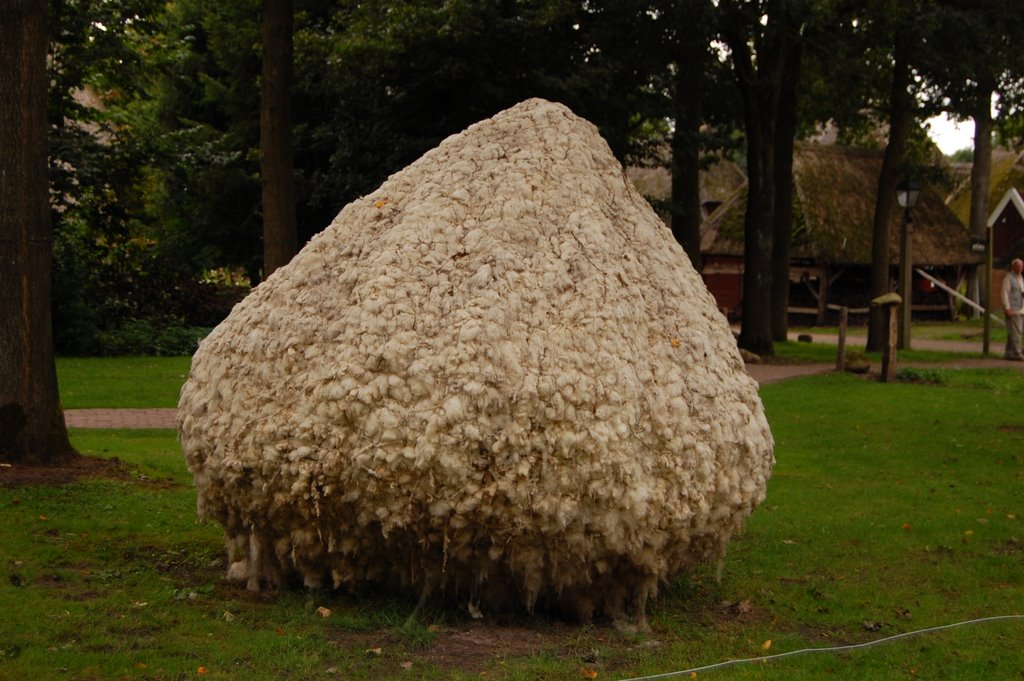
point(986, 345)
point(844, 315)
point(822, 294)
point(906, 282)
point(889, 303)
point(892, 340)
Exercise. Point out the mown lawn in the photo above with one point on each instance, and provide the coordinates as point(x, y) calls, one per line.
point(121, 382)
point(893, 507)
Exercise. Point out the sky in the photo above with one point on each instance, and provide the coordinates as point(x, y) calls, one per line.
point(950, 136)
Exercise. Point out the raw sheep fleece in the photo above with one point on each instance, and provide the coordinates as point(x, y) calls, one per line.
point(497, 376)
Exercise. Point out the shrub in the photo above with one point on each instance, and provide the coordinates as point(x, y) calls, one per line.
point(163, 336)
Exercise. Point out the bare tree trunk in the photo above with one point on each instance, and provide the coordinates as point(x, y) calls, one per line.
point(782, 229)
point(686, 212)
point(755, 331)
point(280, 235)
point(981, 175)
point(759, 79)
point(900, 114)
point(981, 170)
point(32, 429)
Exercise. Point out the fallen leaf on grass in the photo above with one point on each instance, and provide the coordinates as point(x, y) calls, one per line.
point(407, 665)
point(766, 645)
point(374, 651)
point(228, 617)
point(588, 673)
point(43, 517)
point(323, 612)
point(279, 631)
point(906, 526)
point(141, 665)
point(201, 671)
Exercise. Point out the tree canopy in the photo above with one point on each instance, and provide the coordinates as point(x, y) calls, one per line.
point(155, 116)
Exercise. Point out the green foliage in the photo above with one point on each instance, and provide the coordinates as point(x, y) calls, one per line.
point(115, 271)
point(149, 336)
point(914, 375)
point(965, 155)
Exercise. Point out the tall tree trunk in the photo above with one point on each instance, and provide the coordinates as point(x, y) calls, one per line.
point(686, 209)
point(280, 235)
point(755, 330)
point(981, 175)
point(782, 217)
point(981, 170)
point(32, 429)
point(759, 79)
point(893, 163)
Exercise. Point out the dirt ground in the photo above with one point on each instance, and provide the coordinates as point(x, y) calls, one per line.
point(14, 475)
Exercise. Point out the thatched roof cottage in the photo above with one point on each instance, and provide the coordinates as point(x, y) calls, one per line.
point(834, 199)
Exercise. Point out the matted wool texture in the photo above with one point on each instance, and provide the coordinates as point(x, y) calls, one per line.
point(497, 376)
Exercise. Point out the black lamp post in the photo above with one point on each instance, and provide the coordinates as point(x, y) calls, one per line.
point(907, 192)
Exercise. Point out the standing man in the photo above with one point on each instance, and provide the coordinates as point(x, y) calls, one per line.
point(1013, 308)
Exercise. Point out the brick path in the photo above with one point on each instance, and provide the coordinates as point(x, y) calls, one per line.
point(120, 418)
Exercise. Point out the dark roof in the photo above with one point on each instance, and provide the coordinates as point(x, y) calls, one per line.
point(833, 209)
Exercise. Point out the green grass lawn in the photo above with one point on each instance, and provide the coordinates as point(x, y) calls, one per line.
point(893, 507)
point(126, 382)
point(964, 329)
point(798, 352)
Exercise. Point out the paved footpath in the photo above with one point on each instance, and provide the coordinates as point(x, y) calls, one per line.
point(120, 418)
point(762, 373)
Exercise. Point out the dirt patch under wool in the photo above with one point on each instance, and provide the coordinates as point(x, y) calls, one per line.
point(476, 646)
point(112, 468)
point(18, 475)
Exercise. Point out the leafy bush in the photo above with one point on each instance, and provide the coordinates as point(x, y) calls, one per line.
point(912, 375)
point(151, 336)
point(123, 298)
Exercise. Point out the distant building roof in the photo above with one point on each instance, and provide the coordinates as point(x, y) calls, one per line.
point(833, 210)
point(1007, 173)
point(717, 182)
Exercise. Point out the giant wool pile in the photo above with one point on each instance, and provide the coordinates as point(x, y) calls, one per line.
point(496, 377)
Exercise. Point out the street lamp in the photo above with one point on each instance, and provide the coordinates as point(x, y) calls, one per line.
point(907, 192)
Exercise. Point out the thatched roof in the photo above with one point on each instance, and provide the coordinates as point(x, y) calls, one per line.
point(833, 208)
point(1007, 173)
point(717, 182)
